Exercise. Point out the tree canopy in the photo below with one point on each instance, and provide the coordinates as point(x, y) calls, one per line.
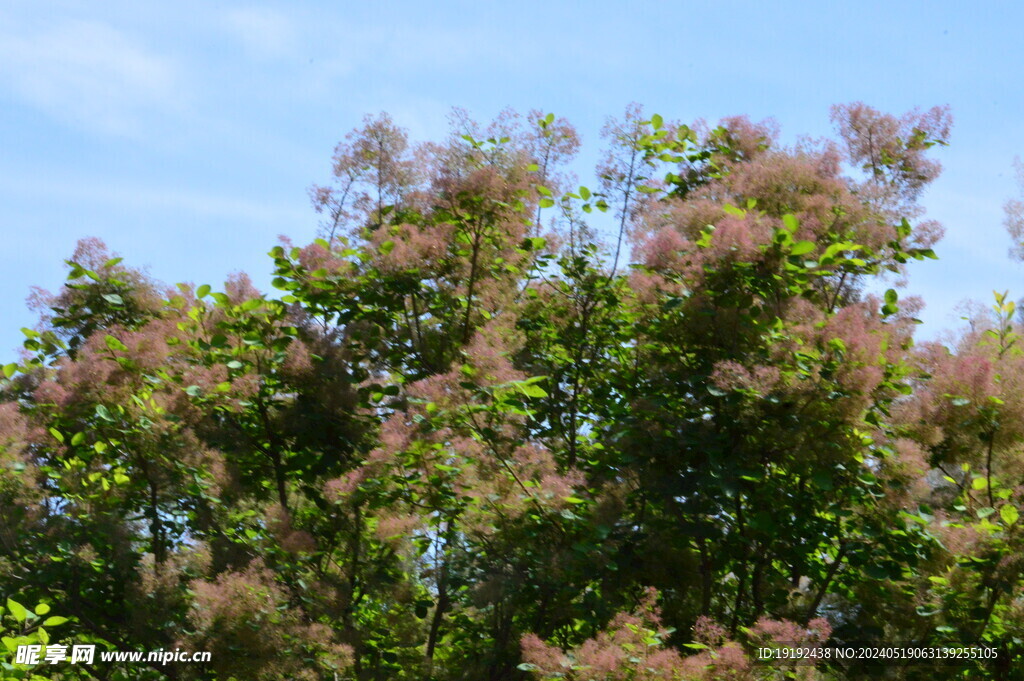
point(466, 438)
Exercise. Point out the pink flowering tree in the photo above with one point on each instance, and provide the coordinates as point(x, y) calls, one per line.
point(468, 437)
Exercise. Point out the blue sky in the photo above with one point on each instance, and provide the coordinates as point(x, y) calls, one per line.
point(186, 134)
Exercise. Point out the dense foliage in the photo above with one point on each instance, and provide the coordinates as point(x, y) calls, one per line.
point(468, 440)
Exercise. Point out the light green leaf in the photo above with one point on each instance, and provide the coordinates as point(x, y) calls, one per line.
point(533, 391)
point(19, 611)
point(114, 344)
point(1009, 514)
point(802, 248)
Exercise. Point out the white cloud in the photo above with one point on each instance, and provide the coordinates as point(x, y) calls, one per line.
point(112, 196)
point(88, 73)
point(263, 32)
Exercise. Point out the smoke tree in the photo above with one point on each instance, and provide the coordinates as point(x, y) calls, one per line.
point(468, 439)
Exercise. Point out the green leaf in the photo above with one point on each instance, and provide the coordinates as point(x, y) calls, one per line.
point(77, 439)
point(657, 122)
point(386, 247)
point(790, 222)
point(546, 203)
point(202, 291)
point(985, 512)
point(57, 435)
point(1009, 514)
point(17, 609)
point(875, 571)
point(114, 344)
point(10, 369)
point(903, 229)
point(54, 621)
point(113, 298)
point(42, 609)
point(103, 413)
point(533, 391)
point(802, 248)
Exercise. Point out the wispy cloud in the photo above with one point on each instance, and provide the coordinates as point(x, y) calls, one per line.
point(118, 196)
point(262, 31)
point(89, 74)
